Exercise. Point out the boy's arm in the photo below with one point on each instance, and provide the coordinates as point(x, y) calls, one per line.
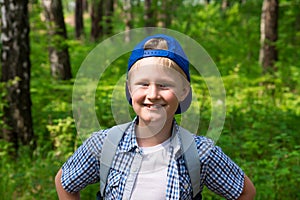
point(249, 191)
point(63, 194)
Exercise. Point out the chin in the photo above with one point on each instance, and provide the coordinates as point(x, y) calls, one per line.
point(158, 121)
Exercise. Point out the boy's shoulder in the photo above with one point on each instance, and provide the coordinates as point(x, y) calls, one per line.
point(203, 141)
point(103, 133)
point(200, 140)
point(98, 136)
point(204, 146)
point(113, 134)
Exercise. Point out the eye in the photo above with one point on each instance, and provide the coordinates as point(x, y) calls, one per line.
point(164, 86)
point(144, 84)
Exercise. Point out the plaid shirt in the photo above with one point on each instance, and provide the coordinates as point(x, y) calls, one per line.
point(218, 172)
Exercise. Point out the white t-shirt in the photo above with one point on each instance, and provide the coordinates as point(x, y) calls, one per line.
point(151, 181)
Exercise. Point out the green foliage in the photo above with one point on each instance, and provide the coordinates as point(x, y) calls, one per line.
point(262, 112)
point(63, 136)
point(27, 177)
point(261, 135)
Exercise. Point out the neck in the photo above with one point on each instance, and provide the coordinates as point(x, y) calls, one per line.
point(153, 135)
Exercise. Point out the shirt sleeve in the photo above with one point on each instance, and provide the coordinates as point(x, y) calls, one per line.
point(219, 173)
point(223, 176)
point(82, 168)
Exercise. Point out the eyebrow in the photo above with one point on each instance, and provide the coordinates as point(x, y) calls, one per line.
point(168, 80)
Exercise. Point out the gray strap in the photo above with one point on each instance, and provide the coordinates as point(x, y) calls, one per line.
point(109, 148)
point(192, 160)
point(188, 144)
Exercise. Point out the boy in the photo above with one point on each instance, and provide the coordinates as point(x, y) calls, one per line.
point(149, 162)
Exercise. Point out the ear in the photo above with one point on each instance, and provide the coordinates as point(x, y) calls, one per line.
point(184, 93)
point(128, 88)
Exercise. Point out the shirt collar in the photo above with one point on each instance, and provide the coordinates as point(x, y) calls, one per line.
point(129, 141)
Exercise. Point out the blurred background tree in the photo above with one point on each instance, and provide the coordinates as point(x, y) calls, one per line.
point(57, 35)
point(16, 66)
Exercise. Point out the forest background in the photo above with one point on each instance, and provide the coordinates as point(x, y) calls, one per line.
point(260, 133)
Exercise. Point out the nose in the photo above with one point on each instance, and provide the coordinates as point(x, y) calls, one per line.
point(153, 92)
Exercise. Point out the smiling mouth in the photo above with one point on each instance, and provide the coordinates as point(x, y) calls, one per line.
point(153, 106)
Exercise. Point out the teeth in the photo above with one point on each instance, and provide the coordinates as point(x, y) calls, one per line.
point(154, 106)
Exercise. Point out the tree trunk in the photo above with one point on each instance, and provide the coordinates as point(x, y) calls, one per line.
point(79, 31)
point(295, 39)
point(16, 72)
point(109, 11)
point(85, 5)
point(149, 14)
point(128, 16)
point(96, 17)
point(225, 5)
point(58, 48)
point(207, 2)
point(268, 29)
point(165, 13)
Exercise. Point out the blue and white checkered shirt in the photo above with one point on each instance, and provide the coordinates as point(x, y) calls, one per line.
point(218, 172)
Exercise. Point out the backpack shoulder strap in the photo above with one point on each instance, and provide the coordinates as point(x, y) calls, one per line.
point(188, 144)
point(191, 156)
point(109, 148)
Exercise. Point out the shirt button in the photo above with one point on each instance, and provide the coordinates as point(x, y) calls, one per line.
point(186, 186)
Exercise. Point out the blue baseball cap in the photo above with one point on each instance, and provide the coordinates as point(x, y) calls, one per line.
point(174, 52)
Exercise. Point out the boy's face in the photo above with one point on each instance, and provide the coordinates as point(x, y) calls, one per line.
point(156, 91)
